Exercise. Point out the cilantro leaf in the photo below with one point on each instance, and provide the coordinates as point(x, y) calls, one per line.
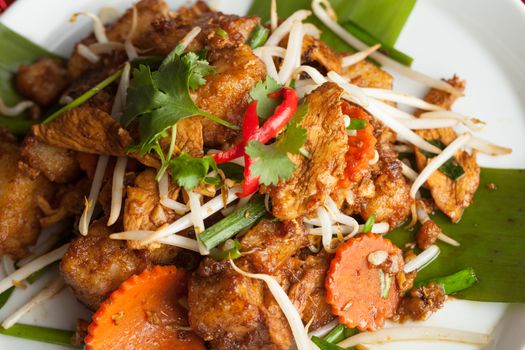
point(161, 98)
point(265, 105)
point(294, 136)
point(189, 172)
point(270, 163)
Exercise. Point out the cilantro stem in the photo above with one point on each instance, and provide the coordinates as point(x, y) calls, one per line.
point(454, 283)
point(42, 334)
point(85, 96)
point(232, 224)
point(219, 120)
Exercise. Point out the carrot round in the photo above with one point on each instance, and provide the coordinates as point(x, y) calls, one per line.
point(144, 313)
point(362, 294)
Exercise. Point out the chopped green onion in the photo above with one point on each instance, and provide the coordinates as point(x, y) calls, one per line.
point(85, 96)
point(385, 280)
point(369, 223)
point(235, 222)
point(259, 36)
point(17, 126)
point(454, 283)
point(222, 33)
point(370, 40)
point(4, 297)
point(339, 333)
point(231, 250)
point(324, 345)
point(451, 168)
point(356, 124)
point(42, 334)
point(37, 274)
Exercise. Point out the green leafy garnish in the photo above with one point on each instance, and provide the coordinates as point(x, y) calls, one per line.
point(161, 98)
point(451, 168)
point(324, 345)
point(265, 105)
point(270, 163)
point(294, 137)
point(369, 223)
point(222, 33)
point(259, 36)
point(189, 172)
point(356, 124)
point(4, 296)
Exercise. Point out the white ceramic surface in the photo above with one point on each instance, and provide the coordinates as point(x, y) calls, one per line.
point(480, 40)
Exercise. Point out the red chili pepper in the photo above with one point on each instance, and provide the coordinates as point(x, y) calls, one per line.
point(271, 127)
point(249, 127)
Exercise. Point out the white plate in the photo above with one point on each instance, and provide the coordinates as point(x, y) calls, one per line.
point(481, 40)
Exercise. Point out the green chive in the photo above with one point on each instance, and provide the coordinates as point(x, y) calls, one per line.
point(385, 280)
point(454, 283)
point(324, 345)
point(336, 335)
point(41, 334)
point(84, 97)
point(259, 36)
point(222, 33)
point(228, 251)
point(232, 224)
point(356, 124)
point(4, 297)
point(369, 223)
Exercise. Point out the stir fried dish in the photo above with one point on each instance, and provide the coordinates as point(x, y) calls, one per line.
point(210, 181)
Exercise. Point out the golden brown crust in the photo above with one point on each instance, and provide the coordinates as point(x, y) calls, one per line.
point(315, 177)
point(85, 129)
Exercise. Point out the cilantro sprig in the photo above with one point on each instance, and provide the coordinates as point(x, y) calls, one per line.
point(271, 162)
point(265, 105)
point(189, 172)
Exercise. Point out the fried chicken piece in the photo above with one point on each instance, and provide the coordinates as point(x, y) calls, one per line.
point(19, 189)
point(451, 196)
point(315, 177)
point(42, 81)
point(85, 129)
point(57, 164)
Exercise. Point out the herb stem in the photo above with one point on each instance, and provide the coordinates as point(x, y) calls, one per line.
point(454, 283)
point(84, 97)
point(232, 224)
point(42, 334)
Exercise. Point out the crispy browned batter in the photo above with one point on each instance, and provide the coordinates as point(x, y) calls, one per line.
point(315, 177)
point(42, 81)
point(366, 74)
point(451, 196)
point(427, 234)
point(142, 210)
point(19, 190)
point(164, 35)
point(317, 54)
point(225, 94)
point(95, 265)
point(218, 294)
point(421, 302)
point(85, 129)
point(55, 163)
point(148, 12)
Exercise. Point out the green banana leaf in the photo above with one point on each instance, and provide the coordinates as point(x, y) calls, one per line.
point(382, 19)
point(14, 51)
point(492, 237)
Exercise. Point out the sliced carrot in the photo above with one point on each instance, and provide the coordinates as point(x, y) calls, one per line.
point(144, 313)
point(361, 146)
point(354, 287)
